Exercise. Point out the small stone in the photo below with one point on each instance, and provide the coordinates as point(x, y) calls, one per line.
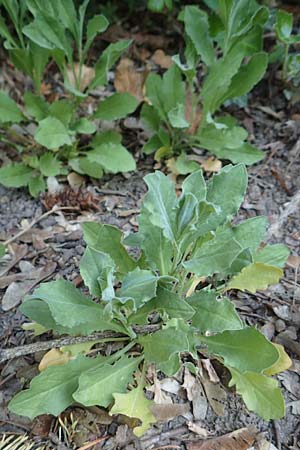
point(280, 325)
point(268, 330)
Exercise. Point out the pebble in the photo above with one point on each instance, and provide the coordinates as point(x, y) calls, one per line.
point(280, 325)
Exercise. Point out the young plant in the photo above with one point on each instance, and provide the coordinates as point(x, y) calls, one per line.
point(180, 115)
point(26, 55)
point(169, 302)
point(54, 145)
point(286, 41)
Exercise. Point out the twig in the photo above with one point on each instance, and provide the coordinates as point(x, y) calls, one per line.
point(277, 434)
point(10, 353)
point(38, 219)
point(92, 443)
point(160, 437)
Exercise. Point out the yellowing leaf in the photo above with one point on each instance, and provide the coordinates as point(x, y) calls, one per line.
point(54, 357)
point(283, 362)
point(135, 404)
point(255, 277)
point(35, 327)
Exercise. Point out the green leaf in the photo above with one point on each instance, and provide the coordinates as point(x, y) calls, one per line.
point(273, 255)
point(108, 239)
point(256, 276)
point(195, 184)
point(158, 250)
point(36, 185)
point(97, 386)
point(51, 391)
point(260, 393)
point(2, 250)
point(246, 349)
point(215, 255)
point(166, 302)
point(49, 33)
point(139, 285)
point(135, 404)
point(52, 133)
point(85, 167)
point(62, 297)
point(160, 346)
point(251, 232)
point(84, 126)
point(161, 203)
point(152, 121)
point(112, 157)
point(62, 110)
point(94, 267)
point(36, 105)
point(96, 25)
point(107, 59)
point(247, 77)
point(9, 110)
point(38, 311)
point(116, 106)
point(15, 175)
point(177, 118)
point(284, 25)
point(197, 28)
point(49, 165)
point(212, 314)
point(227, 189)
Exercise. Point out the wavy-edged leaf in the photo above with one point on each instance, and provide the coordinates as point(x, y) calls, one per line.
point(273, 255)
point(97, 386)
point(135, 404)
point(260, 393)
point(256, 276)
point(108, 239)
point(51, 391)
point(246, 349)
point(161, 203)
point(15, 175)
point(9, 110)
point(212, 314)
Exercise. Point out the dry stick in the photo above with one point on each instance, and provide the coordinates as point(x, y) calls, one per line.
point(38, 219)
point(10, 353)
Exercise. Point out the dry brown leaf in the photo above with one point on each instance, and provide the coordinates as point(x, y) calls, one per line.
point(195, 394)
point(206, 363)
point(294, 261)
point(161, 59)
point(240, 439)
point(54, 357)
point(166, 412)
point(87, 75)
point(196, 427)
point(215, 395)
point(75, 180)
point(211, 164)
point(128, 79)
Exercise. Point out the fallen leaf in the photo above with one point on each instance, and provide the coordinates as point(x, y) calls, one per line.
point(295, 407)
point(294, 261)
point(128, 79)
point(211, 164)
point(75, 180)
point(166, 412)
point(195, 394)
point(54, 357)
point(196, 427)
point(169, 385)
point(87, 75)
point(17, 290)
point(206, 363)
point(215, 395)
point(41, 425)
point(240, 439)
point(160, 58)
point(263, 444)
